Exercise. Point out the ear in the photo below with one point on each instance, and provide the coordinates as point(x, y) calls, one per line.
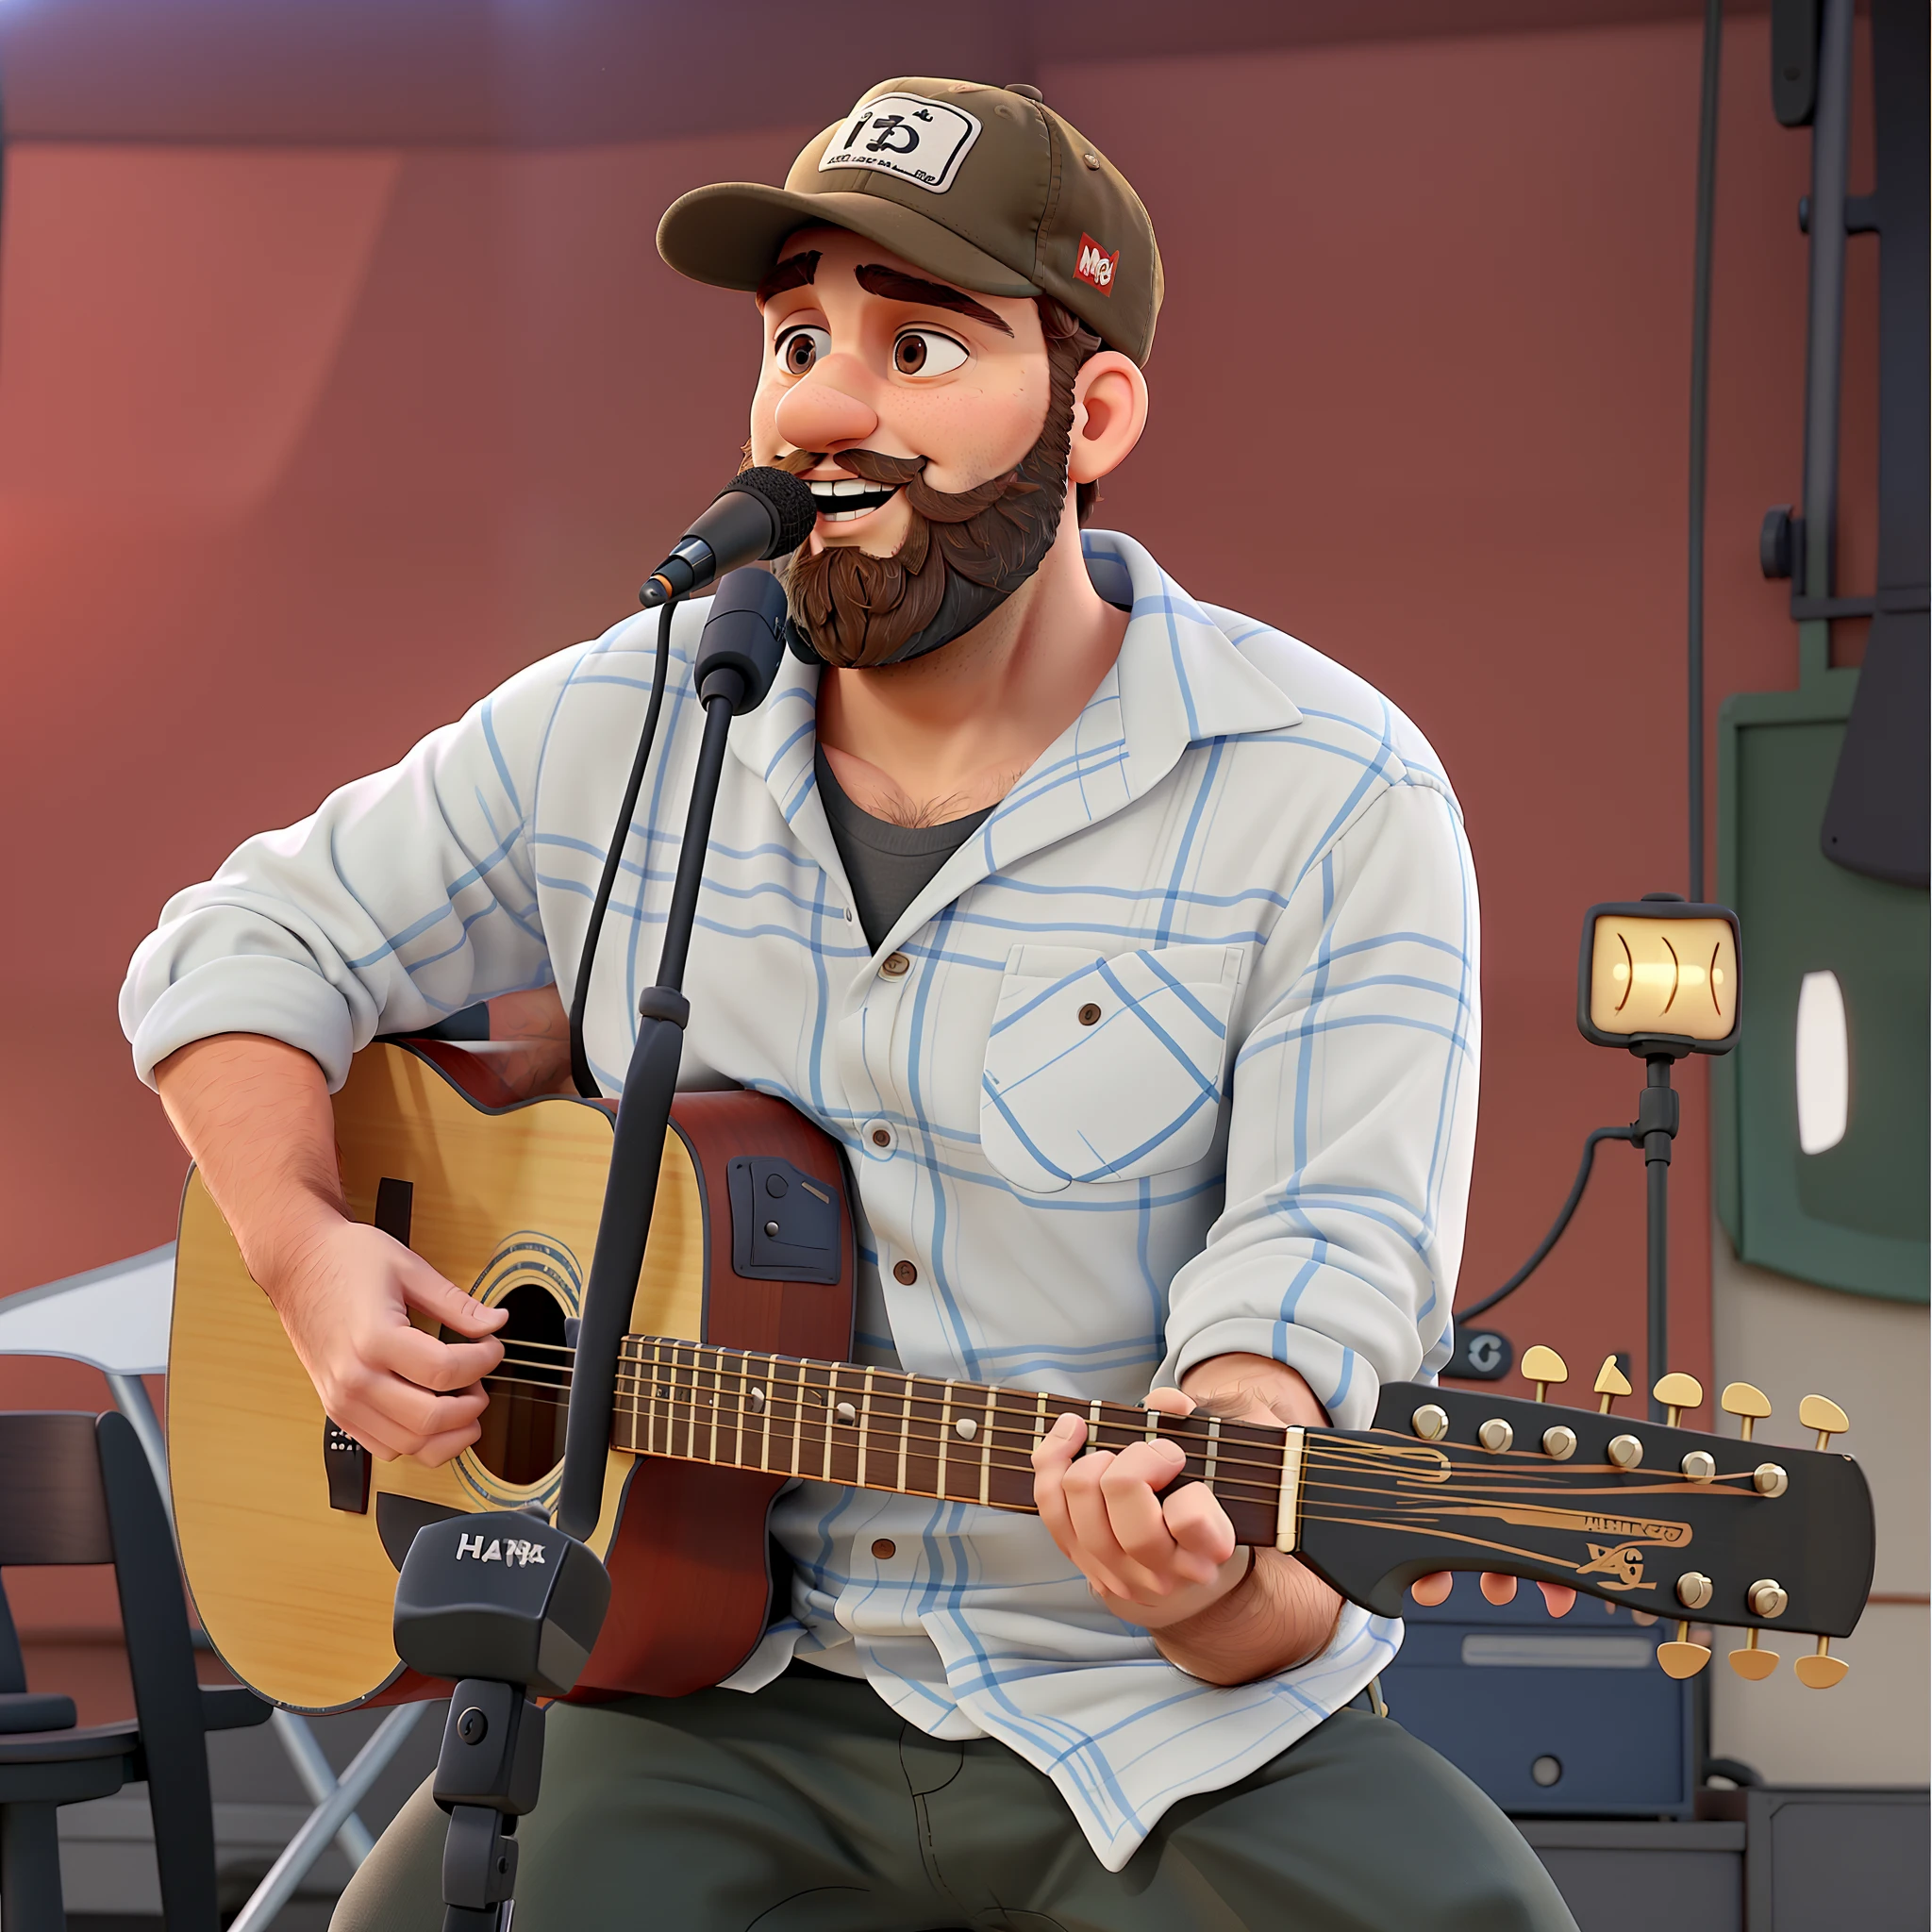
point(1110, 412)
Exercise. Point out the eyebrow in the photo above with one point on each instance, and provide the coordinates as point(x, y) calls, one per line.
point(794, 272)
point(895, 287)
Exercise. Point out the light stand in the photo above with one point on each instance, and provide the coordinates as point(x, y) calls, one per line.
point(1659, 977)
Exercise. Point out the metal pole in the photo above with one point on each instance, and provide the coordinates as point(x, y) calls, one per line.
point(323, 1824)
point(319, 1780)
point(1700, 421)
point(1830, 161)
point(1656, 1176)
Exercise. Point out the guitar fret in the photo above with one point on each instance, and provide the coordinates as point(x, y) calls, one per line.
point(946, 1430)
point(798, 1421)
point(738, 1419)
point(717, 1396)
point(831, 1420)
point(1154, 1426)
point(864, 1425)
point(1213, 1449)
point(905, 1425)
point(771, 1383)
point(1094, 1424)
point(986, 1446)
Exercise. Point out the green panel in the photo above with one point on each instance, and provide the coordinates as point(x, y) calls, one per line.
point(1855, 1216)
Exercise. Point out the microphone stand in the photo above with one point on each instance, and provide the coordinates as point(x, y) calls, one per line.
point(500, 1603)
point(737, 661)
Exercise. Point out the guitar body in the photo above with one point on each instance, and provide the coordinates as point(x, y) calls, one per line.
point(295, 1583)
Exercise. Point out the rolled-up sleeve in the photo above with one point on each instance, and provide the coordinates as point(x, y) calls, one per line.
point(405, 897)
point(1352, 1119)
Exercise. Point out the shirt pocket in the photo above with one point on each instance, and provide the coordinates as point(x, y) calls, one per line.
point(1105, 1069)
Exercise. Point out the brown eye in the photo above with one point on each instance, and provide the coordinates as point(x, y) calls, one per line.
point(926, 352)
point(797, 349)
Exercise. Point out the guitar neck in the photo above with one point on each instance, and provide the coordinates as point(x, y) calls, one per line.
point(911, 1434)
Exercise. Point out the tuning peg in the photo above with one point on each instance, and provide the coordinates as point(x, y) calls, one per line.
point(1682, 1658)
point(1754, 1661)
point(1750, 1406)
point(1611, 1382)
point(1820, 1671)
point(1678, 1392)
point(1822, 1413)
point(1544, 1367)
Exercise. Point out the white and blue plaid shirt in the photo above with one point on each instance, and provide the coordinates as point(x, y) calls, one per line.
point(1240, 852)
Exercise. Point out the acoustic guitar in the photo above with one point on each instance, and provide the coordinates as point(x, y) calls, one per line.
point(733, 1381)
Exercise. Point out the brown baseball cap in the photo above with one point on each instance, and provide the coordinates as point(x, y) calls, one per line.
point(985, 186)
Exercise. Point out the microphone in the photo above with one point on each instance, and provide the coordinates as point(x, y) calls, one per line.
point(742, 640)
point(759, 515)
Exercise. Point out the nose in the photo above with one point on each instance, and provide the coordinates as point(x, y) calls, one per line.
point(817, 415)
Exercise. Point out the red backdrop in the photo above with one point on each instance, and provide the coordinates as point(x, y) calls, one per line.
point(301, 450)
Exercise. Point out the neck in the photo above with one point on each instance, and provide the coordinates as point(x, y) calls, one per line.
point(957, 727)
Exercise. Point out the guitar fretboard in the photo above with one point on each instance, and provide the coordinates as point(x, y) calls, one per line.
point(876, 1428)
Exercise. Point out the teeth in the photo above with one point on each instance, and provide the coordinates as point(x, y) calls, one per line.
point(828, 493)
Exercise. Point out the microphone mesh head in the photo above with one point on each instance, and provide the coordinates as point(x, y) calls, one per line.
point(793, 511)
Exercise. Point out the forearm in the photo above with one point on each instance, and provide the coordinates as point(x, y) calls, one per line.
point(254, 1115)
point(1278, 1615)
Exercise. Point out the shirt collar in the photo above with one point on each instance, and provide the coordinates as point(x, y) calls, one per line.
point(1178, 680)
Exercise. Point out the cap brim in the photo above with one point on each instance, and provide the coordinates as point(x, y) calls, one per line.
point(729, 235)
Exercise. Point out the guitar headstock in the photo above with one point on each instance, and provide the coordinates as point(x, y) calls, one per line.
point(1664, 1519)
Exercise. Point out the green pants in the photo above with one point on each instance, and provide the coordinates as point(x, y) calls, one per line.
point(809, 1806)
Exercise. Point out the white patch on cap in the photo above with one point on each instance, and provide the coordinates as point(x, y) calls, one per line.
point(906, 135)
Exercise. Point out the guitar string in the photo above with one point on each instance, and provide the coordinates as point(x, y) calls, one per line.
point(1320, 1449)
point(691, 1417)
point(879, 1417)
point(789, 1412)
point(969, 1462)
point(1349, 1457)
point(1529, 1482)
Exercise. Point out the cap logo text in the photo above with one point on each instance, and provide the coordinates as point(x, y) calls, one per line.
point(1096, 265)
point(907, 136)
point(512, 1550)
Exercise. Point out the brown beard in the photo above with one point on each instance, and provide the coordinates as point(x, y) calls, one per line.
point(964, 554)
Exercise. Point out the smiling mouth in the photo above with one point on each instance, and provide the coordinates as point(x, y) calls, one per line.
point(839, 502)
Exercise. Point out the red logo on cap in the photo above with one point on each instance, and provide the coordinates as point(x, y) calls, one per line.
point(1096, 265)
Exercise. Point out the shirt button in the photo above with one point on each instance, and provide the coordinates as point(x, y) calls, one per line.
point(904, 1274)
point(895, 965)
point(885, 1547)
point(878, 1137)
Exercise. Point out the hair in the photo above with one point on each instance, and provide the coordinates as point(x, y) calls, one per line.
point(1060, 325)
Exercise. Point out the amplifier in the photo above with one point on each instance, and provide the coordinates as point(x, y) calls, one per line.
point(1549, 1715)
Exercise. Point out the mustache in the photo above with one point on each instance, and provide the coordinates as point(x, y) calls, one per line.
point(909, 474)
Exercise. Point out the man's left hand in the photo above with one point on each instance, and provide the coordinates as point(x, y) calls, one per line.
point(1167, 1559)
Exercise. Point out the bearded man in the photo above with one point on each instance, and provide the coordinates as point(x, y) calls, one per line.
point(1127, 947)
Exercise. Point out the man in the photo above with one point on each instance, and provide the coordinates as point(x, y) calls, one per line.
point(1128, 946)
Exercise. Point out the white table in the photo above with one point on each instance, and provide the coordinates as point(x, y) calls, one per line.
point(115, 1319)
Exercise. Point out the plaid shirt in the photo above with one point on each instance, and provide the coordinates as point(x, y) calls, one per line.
point(1239, 852)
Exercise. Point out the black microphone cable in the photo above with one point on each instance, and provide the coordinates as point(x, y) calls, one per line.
point(586, 1082)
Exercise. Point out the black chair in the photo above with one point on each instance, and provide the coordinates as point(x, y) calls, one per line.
point(76, 1489)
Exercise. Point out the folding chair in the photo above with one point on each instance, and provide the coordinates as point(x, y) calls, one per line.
point(77, 1488)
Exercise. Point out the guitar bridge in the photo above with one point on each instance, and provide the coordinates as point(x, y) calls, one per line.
point(345, 1462)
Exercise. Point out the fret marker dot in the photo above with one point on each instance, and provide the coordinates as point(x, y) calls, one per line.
point(967, 1427)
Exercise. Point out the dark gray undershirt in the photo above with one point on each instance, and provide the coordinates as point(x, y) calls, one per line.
point(888, 865)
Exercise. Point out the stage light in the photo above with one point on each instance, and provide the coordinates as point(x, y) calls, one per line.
point(1659, 976)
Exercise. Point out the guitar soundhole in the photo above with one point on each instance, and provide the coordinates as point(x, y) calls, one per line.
point(523, 1428)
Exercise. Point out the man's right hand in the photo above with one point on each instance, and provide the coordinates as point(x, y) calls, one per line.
point(255, 1115)
point(345, 1295)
